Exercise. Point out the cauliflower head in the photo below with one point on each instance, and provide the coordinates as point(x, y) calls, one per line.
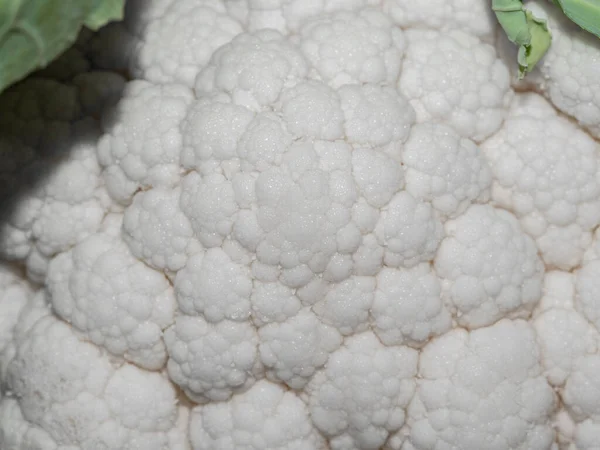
point(302, 225)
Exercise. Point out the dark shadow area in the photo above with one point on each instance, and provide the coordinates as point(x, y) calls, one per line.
point(40, 116)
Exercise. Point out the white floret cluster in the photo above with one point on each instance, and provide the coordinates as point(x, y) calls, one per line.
point(302, 225)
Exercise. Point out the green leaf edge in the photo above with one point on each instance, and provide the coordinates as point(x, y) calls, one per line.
point(35, 32)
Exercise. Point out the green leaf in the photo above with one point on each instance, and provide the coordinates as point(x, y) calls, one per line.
point(529, 55)
point(105, 11)
point(34, 32)
point(585, 13)
point(529, 33)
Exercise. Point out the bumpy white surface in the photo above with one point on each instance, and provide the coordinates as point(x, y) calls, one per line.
point(564, 334)
point(80, 400)
point(408, 230)
point(15, 292)
point(113, 298)
point(445, 169)
point(143, 144)
point(179, 43)
point(360, 397)
point(359, 47)
point(346, 305)
point(434, 78)
point(253, 68)
point(203, 145)
point(344, 232)
point(546, 170)
point(211, 361)
point(157, 232)
point(489, 267)
point(293, 350)
point(375, 116)
point(482, 389)
point(407, 308)
point(568, 74)
point(288, 16)
point(214, 286)
point(16, 432)
point(587, 286)
point(280, 420)
point(472, 16)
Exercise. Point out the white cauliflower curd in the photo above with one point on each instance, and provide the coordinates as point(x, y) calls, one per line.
point(302, 225)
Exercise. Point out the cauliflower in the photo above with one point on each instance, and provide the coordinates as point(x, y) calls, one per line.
point(567, 75)
point(362, 394)
point(45, 122)
point(282, 422)
point(142, 147)
point(377, 47)
point(489, 267)
point(79, 398)
point(112, 298)
point(434, 78)
point(546, 172)
point(473, 16)
point(167, 49)
point(301, 225)
point(489, 388)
